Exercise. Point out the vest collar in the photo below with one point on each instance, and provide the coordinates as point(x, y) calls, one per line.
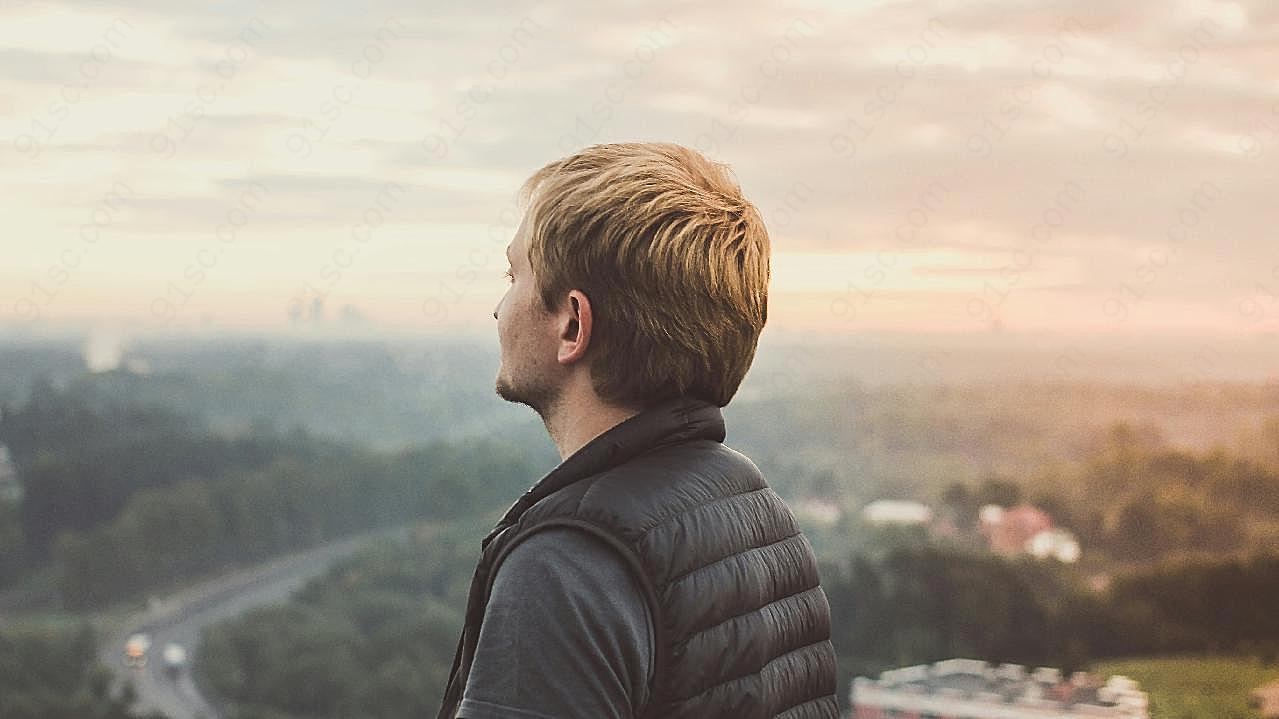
point(678, 419)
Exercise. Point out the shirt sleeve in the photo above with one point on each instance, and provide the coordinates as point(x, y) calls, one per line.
point(566, 634)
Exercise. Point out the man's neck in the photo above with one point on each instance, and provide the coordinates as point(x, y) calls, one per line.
point(573, 424)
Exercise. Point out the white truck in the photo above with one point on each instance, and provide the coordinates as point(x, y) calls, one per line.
point(175, 658)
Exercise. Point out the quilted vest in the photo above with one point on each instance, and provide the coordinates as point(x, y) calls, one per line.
point(742, 625)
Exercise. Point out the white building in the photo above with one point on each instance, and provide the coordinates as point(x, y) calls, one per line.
point(896, 511)
point(816, 510)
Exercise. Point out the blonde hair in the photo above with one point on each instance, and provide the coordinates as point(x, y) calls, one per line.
point(674, 260)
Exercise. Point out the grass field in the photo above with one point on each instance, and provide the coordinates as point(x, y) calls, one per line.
point(1195, 687)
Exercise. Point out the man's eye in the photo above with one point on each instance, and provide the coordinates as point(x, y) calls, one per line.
point(508, 274)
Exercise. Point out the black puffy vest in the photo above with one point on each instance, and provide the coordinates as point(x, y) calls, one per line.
point(742, 625)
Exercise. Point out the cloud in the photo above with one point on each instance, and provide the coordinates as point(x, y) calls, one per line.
point(868, 130)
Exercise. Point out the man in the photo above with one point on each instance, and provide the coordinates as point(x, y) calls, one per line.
point(653, 573)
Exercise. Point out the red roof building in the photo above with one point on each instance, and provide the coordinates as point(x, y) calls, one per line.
point(1009, 530)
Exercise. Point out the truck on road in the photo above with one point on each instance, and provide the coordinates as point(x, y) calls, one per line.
point(175, 658)
point(135, 650)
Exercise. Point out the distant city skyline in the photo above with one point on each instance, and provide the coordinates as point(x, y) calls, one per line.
point(929, 167)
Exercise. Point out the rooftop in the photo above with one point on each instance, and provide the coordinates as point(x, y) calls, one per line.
point(974, 682)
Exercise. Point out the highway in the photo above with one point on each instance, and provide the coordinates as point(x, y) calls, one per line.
point(180, 618)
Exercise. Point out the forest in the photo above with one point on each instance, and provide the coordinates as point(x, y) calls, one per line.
point(127, 491)
point(120, 501)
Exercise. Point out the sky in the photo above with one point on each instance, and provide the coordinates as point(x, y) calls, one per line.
point(923, 167)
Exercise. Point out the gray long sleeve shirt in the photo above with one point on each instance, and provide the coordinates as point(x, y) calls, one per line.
point(566, 634)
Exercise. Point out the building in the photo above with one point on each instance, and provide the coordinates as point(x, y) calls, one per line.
point(1026, 529)
point(1010, 530)
point(897, 511)
point(820, 512)
point(974, 689)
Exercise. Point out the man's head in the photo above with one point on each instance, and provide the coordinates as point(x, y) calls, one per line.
point(639, 271)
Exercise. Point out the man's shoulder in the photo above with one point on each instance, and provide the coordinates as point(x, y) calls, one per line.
point(564, 600)
point(560, 546)
point(575, 563)
point(567, 569)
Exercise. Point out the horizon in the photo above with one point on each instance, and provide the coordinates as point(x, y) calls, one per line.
point(1165, 360)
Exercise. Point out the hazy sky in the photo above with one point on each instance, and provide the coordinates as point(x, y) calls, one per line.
point(930, 166)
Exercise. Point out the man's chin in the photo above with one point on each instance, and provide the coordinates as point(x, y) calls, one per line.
point(503, 390)
point(534, 401)
point(508, 393)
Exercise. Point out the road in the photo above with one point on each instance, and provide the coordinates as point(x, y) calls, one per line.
point(180, 618)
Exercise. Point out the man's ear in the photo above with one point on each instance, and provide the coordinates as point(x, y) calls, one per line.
point(575, 336)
